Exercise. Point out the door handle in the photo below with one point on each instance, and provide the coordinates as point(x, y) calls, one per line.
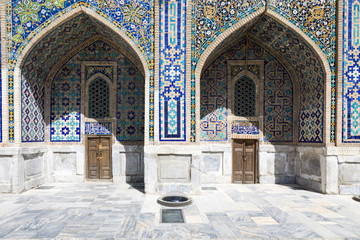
point(244, 157)
point(99, 154)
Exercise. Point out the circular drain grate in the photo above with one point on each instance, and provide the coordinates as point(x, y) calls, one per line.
point(174, 200)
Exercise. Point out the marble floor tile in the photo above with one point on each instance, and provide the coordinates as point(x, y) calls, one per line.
point(110, 211)
point(264, 221)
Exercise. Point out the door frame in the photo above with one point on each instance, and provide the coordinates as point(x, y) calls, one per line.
point(87, 137)
point(256, 156)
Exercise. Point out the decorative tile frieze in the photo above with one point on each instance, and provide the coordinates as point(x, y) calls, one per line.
point(172, 70)
point(351, 73)
point(98, 128)
point(245, 127)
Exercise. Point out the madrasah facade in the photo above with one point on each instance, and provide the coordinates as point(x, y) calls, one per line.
point(177, 94)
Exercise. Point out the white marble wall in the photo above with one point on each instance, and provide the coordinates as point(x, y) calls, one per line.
point(128, 163)
point(184, 168)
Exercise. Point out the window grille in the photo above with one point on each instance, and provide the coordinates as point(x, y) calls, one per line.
point(99, 99)
point(244, 97)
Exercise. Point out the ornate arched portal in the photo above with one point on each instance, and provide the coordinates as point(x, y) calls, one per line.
point(59, 105)
point(131, 34)
point(294, 82)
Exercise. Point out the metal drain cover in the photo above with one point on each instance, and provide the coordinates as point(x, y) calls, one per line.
point(174, 200)
point(172, 216)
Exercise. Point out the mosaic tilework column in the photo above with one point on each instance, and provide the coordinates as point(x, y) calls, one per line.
point(351, 72)
point(0, 90)
point(172, 70)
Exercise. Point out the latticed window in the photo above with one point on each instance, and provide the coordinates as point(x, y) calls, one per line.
point(99, 99)
point(244, 97)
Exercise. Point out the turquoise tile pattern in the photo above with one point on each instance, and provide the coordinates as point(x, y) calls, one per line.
point(314, 18)
point(35, 69)
point(26, 18)
point(317, 19)
point(245, 127)
point(98, 128)
point(65, 113)
point(66, 96)
point(351, 69)
point(278, 95)
point(210, 19)
point(172, 70)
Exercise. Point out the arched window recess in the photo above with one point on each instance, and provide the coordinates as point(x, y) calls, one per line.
point(245, 89)
point(99, 98)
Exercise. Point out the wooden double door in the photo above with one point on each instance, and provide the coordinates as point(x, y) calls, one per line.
point(244, 161)
point(99, 157)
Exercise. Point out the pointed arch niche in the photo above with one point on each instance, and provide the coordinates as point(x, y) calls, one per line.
point(294, 55)
point(42, 58)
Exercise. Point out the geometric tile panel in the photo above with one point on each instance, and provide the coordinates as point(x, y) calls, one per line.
point(311, 75)
point(213, 102)
point(315, 18)
point(172, 70)
point(1, 133)
point(254, 69)
point(278, 95)
point(26, 18)
point(98, 128)
point(209, 20)
point(130, 102)
point(309, 72)
point(351, 73)
point(130, 95)
point(278, 102)
point(65, 116)
point(132, 17)
point(245, 127)
point(32, 109)
point(36, 67)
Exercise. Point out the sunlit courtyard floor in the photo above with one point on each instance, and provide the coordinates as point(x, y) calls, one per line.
point(108, 211)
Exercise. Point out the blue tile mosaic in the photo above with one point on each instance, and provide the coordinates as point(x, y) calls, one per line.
point(351, 73)
point(210, 19)
point(65, 110)
point(1, 133)
point(245, 127)
point(278, 95)
point(65, 113)
point(130, 103)
point(35, 69)
point(172, 70)
point(98, 128)
point(26, 18)
point(315, 18)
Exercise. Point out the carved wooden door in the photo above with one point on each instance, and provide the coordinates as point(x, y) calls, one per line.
point(99, 157)
point(244, 161)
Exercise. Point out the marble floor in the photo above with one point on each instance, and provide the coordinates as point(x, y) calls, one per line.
point(108, 211)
